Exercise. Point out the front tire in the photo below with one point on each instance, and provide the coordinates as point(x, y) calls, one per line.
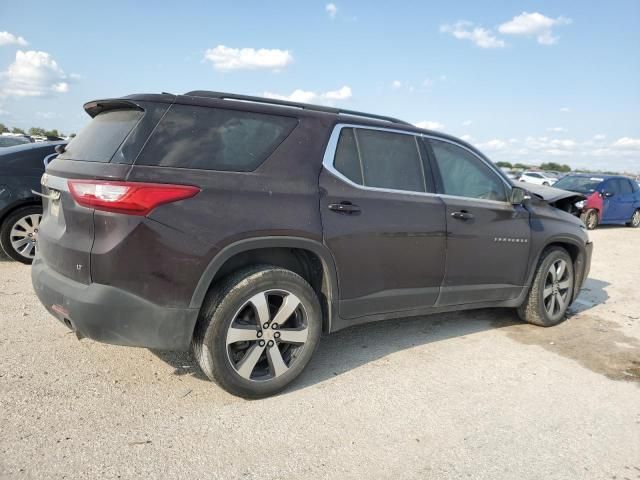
point(551, 291)
point(257, 331)
point(635, 220)
point(19, 233)
point(590, 219)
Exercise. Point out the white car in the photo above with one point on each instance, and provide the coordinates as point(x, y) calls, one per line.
point(539, 178)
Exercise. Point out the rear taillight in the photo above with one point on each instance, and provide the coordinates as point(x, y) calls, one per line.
point(132, 198)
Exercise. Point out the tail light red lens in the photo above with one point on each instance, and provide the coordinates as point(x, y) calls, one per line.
point(132, 198)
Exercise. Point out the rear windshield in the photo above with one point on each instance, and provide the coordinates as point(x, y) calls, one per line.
point(579, 184)
point(215, 139)
point(100, 139)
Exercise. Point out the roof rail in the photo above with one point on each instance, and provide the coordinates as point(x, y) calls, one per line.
point(286, 103)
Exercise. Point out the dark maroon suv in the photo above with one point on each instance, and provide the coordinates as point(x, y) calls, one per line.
point(245, 228)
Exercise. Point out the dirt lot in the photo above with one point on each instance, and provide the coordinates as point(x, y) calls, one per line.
point(469, 395)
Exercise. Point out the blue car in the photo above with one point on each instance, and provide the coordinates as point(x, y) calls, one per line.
point(611, 199)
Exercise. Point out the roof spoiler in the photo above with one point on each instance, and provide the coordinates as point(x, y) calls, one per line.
point(95, 107)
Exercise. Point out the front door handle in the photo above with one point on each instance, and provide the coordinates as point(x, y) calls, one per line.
point(344, 207)
point(462, 215)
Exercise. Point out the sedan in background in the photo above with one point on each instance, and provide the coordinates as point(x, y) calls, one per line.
point(611, 199)
point(538, 178)
point(12, 141)
point(21, 168)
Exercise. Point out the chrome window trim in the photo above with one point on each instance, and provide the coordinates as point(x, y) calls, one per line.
point(332, 146)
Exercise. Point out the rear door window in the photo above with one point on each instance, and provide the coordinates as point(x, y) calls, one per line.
point(347, 159)
point(215, 139)
point(381, 159)
point(391, 160)
point(102, 137)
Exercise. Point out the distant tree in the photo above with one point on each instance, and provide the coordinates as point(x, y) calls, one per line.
point(556, 167)
point(17, 130)
point(52, 133)
point(521, 166)
point(72, 135)
point(504, 164)
point(3, 128)
point(37, 131)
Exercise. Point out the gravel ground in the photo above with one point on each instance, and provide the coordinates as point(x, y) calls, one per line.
point(466, 395)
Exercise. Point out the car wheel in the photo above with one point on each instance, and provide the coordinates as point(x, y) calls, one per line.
point(590, 219)
point(19, 233)
point(635, 220)
point(551, 291)
point(257, 331)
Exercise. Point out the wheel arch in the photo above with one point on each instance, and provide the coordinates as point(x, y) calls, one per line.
point(576, 251)
point(306, 257)
point(24, 202)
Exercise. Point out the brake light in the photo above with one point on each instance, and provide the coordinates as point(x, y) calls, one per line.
point(132, 198)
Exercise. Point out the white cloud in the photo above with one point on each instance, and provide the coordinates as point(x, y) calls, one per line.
point(599, 136)
point(341, 94)
point(4, 112)
point(7, 38)
point(466, 123)
point(47, 115)
point(627, 143)
point(331, 9)
point(565, 109)
point(428, 83)
point(493, 145)
point(556, 129)
point(534, 25)
point(396, 84)
point(298, 95)
point(622, 154)
point(481, 37)
point(466, 138)
point(429, 125)
point(307, 96)
point(226, 58)
point(33, 74)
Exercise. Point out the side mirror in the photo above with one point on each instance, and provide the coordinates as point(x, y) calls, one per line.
point(60, 149)
point(518, 196)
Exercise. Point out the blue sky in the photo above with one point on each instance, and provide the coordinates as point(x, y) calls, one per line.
point(525, 81)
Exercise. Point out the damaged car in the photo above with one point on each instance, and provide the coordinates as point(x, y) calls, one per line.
point(244, 228)
point(609, 199)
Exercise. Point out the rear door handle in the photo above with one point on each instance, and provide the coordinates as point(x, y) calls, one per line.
point(462, 215)
point(344, 207)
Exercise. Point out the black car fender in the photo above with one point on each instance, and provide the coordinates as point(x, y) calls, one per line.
point(254, 243)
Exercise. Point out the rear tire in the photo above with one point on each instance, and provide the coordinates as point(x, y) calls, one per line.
point(635, 220)
point(19, 233)
point(590, 218)
point(551, 291)
point(235, 341)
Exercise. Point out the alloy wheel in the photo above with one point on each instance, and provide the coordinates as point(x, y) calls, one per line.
point(592, 220)
point(24, 235)
point(267, 335)
point(557, 286)
point(635, 220)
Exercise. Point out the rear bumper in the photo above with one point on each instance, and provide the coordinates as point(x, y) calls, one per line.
point(111, 315)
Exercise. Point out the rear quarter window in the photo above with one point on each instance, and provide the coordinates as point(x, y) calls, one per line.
point(102, 137)
point(215, 139)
